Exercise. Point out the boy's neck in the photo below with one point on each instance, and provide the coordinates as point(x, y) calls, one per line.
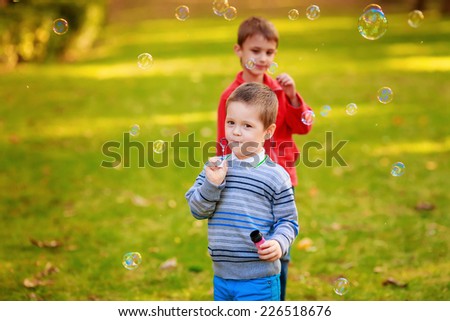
point(248, 77)
point(260, 153)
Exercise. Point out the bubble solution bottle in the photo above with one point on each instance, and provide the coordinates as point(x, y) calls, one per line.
point(257, 238)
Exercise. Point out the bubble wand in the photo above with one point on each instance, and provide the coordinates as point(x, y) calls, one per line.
point(223, 143)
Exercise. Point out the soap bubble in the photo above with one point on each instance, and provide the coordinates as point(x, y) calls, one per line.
point(220, 6)
point(272, 68)
point(325, 110)
point(293, 14)
point(145, 61)
point(313, 12)
point(415, 18)
point(134, 130)
point(308, 117)
point(372, 6)
point(385, 95)
point(398, 169)
point(230, 13)
point(341, 286)
point(182, 13)
point(250, 64)
point(159, 146)
point(131, 260)
point(351, 109)
point(372, 24)
point(60, 26)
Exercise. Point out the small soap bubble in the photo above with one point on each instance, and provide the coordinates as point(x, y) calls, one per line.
point(60, 26)
point(182, 13)
point(220, 6)
point(415, 18)
point(351, 109)
point(372, 6)
point(159, 146)
point(398, 169)
point(385, 95)
point(341, 286)
point(230, 13)
point(372, 24)
point(293, 14)
point(313, 12)
point(131, 260)
point(272, 68)
point(134, 130)
point(145, 61)
point(308, 117)
point(325, 110)
point(250, 64)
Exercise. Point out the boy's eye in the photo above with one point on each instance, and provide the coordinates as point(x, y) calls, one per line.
point(247, 126)
point(230, 122)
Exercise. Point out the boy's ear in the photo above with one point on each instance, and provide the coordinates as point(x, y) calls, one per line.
point(237, 50)
point(269, 131)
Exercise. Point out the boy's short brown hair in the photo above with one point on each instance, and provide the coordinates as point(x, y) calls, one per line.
point(257, 25)
point(259, 96)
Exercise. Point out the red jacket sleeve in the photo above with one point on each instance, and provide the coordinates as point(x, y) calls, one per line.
point(294, 116)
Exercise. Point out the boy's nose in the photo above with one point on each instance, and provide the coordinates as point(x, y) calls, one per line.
point(236, 131)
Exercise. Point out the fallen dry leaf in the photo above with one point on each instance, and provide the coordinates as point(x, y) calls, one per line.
point(378, 269)
point(335, 226)
point(424, 206)
point(392, 281)
point(49, 244)
point(39, 279)
point(305, 243)
point(169, 264)
point(35, 282)
point(140, 201)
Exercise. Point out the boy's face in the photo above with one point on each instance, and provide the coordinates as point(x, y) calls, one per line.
point(244, 130)
point(258, 48)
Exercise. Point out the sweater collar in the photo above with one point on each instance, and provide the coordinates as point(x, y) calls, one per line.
point(254, 161)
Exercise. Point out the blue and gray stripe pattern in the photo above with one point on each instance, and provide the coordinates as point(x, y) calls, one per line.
point(250, 198)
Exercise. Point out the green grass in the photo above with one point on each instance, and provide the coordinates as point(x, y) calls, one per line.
point(54, 119)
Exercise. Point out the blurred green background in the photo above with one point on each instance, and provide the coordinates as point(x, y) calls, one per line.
point(66, 222)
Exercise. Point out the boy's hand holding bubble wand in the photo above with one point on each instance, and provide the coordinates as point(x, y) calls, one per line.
point(216, 168)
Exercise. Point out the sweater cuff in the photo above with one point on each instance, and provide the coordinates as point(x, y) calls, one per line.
point(284, 244)
point(211, 191)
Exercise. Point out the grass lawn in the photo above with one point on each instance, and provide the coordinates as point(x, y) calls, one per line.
point(66, 221)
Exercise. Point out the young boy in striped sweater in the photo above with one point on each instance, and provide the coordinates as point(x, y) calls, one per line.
point(242, 192)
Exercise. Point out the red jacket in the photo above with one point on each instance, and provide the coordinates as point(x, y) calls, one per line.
point(281, 148)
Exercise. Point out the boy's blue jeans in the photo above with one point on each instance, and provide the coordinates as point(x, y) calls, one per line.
point(261, 289)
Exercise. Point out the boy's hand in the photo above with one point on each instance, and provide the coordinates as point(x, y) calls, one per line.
point(216, 170)
point(288, 85)
point(270, 251)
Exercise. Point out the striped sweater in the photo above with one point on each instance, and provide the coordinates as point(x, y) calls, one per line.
point(251, 197)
